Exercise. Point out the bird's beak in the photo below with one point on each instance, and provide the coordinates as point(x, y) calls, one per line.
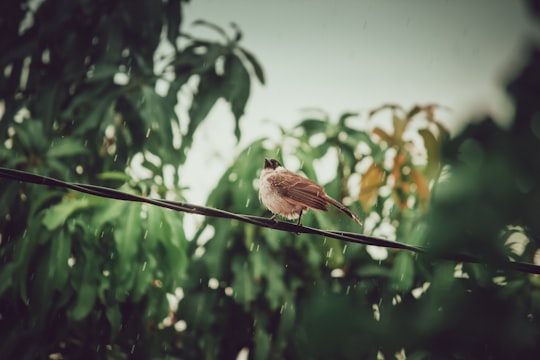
point(267, 163)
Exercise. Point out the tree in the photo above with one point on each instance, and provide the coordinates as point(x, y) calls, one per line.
point(296, 296)
point(86, 95)
point(287, 296)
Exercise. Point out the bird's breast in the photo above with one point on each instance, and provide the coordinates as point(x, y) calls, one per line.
point(274, 201)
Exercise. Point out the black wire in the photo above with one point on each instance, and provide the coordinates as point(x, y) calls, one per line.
point(18, 175)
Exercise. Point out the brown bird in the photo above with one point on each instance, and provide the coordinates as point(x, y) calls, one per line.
point(289, 195)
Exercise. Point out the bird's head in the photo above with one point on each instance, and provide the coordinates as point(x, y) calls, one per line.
point(271, 164)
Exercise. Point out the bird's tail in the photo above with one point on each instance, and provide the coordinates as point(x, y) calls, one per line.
point(343, 208)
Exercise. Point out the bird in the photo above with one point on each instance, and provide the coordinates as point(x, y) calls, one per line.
point(289, 195)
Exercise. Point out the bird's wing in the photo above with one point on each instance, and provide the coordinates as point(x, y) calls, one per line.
point(299, 190)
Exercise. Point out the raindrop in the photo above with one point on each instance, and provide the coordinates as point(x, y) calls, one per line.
point(248, 201)
point(329, 253)
point(144, 266)
point(148, 131)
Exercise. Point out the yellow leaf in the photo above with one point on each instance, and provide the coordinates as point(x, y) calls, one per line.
point(399, 128)
point(383, 135)
point(371, 181)
point(422, 188)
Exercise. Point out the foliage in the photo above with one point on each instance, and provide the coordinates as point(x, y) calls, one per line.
point(86, 93)
point(293, 296)
point(279, 288)
point(88, 90)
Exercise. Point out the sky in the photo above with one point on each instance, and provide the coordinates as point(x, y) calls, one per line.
point(354, 55)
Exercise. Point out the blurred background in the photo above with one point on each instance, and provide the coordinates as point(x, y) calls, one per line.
point(421, 116)
point(356, 55)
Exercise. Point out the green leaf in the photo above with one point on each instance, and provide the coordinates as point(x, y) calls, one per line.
point(31, 136)
point(114, 317)
point(58, 268)
point(373, 271)
point(275, 286)
point(244, 287)
point(67, 147)
point(8, 273)
point(114, 175)
point(102, 71)
point(110, 211)
point(155, 115)
point(173, 14)
point(344, 117)
point(262, 343)
point(286, 321)
point(128, 236)
point(144, 277)
point(313, 126)
point(433, 153)
point(209, 91)
point(402, 278)
point(236, 87)
point(257, 68)
point(57, 215)
point(86, 287)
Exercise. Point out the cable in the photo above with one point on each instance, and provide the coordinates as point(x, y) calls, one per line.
point(18, 175)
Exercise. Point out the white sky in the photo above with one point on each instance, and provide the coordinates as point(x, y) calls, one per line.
point(354, 55)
